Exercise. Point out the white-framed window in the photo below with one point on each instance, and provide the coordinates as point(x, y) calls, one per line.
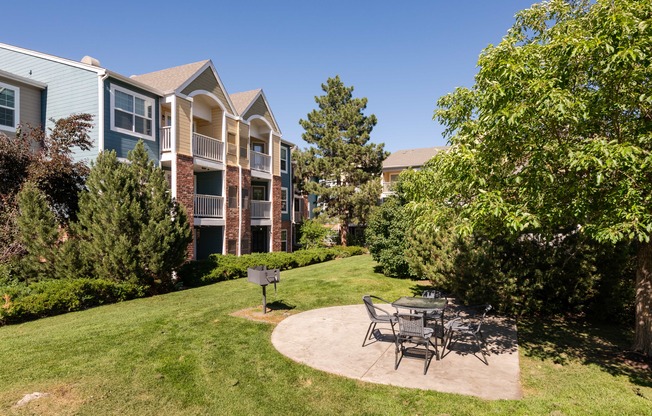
point(284, 200)
point(284, 159)
point(132, 113)
point(9, 107)
point(284, 240)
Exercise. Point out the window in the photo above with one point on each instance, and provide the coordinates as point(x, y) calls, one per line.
point(284, 200)
point(131, 113)
point(284, 240)
point(9, 108)
point(258, 193)
point(233, 197)
point(284, 159)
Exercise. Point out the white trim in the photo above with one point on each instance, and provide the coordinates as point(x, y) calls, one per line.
point(150, 100)
point(287, 200)
point(16, 108)
point(232, 117)
point(173, 139)
point(287, 158)
point(23, 80)
point(259, 117)
point(100, 111)
point(253, 100)
point(208, 64)
point(64, 61)
point(210, 94)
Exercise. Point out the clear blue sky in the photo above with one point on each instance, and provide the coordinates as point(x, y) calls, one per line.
point(402, 56)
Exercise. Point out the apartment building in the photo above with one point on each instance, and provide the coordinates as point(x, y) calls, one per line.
point(223, 154)
point(400, 160)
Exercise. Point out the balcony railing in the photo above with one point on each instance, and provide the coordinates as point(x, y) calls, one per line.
point(261, 162)
point(207, 147)
point(166, 139)
point(261, 209)
point(209, 206)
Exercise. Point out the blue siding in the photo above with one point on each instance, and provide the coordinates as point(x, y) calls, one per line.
point(286, 182)
point(122, 143)
point(209, 241)
point(209, 183)
point(70, 89)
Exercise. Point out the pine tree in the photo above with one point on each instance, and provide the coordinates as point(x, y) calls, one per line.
point(38, 233)
point(129, 227)
point(347, 166)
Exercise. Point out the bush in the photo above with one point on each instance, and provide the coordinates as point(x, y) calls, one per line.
point(227, 267)
point(386, 237)
point(313, 235)
point(52, 297)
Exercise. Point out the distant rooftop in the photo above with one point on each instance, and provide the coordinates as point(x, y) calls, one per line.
point(241, 100)
point(411, 157)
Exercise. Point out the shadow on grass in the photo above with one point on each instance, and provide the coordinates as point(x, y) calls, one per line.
point(564, 340)
point(279, 305)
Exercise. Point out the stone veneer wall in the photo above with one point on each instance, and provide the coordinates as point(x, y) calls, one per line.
point(231, 214)
point(276, 214)
point(186, 193)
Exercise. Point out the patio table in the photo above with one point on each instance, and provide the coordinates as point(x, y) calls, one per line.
point(428, 306)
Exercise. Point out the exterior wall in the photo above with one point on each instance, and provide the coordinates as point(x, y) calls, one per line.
point(231, 128)
point(286, 182)
point(276, 155)
point(30, 105)
point(286, 225)
point(186, 192)
point(209, 241)
point(260, 108)
point(244, 145)
point(216, 123)
point(209, 183)
point(122, 143)
point(231, 214)
point(246, 213)
point(184, 126)
point(70, 89)
point(206, 81)
point(387, 173)
point(276, 214)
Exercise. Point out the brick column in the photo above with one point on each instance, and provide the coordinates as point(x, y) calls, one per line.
point(246, 213)
point(231, 217)
point(186, 193)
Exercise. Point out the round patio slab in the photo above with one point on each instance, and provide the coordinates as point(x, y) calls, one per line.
point(330, 339)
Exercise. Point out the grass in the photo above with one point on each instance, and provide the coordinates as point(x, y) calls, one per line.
point(184, 354)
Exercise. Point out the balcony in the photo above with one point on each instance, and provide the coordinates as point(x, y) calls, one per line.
point(261, 209)
point(211, 206)
point(166, 139)
point(261, 162)
point(207, 147)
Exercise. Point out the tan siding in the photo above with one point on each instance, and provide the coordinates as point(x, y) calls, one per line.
point(276, 155)
point(216, 116)
point(232, 129)
point(388, 174)
point(184, 127)
point(206, 81)
point(244, 142)
point(258, 108)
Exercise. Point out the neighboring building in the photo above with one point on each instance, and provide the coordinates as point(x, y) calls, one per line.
point(223, 154)
point(400, 160)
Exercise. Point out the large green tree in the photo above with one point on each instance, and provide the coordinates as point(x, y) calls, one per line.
point(129, 227)
point(346, 165)
point(556, 134)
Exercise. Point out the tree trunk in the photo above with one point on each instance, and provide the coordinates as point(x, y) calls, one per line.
point(643, 330)
point(344, 232)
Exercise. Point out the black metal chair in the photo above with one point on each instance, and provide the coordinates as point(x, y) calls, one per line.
point(412, 329)
point(377, 315)
point(468, 325)
point(436, 316)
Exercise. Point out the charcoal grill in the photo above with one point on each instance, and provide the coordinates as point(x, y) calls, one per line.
point(260, 275)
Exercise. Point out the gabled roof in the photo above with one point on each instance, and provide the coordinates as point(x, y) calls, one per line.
point(242, 100)
point(246, 101)
point(169, 80)
point(411, 157)
point(28, 81)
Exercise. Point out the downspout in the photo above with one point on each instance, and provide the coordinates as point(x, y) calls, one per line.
point(100, 111)
point(240, 210)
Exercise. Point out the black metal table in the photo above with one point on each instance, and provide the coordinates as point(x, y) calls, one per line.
point(433, 308)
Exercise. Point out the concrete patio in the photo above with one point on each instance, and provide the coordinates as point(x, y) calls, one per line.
point(330, 339)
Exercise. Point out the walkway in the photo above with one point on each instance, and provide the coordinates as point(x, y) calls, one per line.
point(330, 339)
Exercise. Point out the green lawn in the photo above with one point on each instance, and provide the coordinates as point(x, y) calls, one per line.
point(184, 354)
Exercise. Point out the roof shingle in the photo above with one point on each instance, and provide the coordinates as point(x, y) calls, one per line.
point(411, 157)
point(168, 80)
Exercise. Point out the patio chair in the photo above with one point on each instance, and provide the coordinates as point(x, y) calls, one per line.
point(469, 326)
point(433, 294)
point(435, 316)
point(377, 315)
point(412, 329)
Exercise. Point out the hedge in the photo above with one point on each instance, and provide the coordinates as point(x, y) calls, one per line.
point(227, 267)
point(23, 302)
